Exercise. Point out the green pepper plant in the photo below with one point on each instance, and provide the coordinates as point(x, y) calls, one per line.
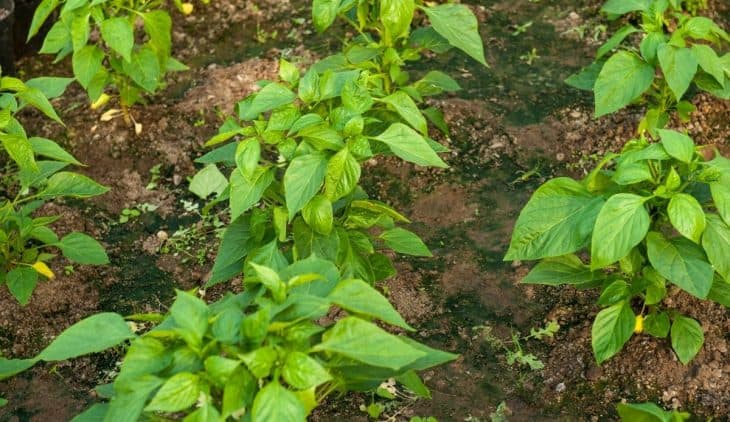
point(124, 44)
point(34, 175)
point(261, 355)
point(676, 50)
point(654, 219)
point(299, 143)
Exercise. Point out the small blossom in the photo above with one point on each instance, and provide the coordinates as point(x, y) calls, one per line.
point(187, 8)
point(639, 325)
point(103, 99)
point(42, 268)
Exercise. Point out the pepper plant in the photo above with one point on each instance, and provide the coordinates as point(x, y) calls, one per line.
point(34, 176)
point(298, 144)
point(676, 50)
point(124, 44)
point(653, 219)
point(263, 355)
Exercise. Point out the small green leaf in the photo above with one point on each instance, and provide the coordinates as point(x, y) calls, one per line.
point(459, 26)
point(623, 78)
point(247, 192)
point(319, 215)
point(687, 216)
point(324, 13)
point(302, 180)
point(343, 174)
point(178, 393)
point(81, 248)
point(207, 181)
point(681, 262)
point(91, 335)
point(408, 110)
point(274, 403)
point(405, 242)
point(303, 372)
point(678, 145)
point(622, 224)
point(566, 269)
point(361, 298)
point(21, 282)
point(410, 146)
point(612, 328)
point(87, 62)
point(679, 66)
point(118, 33)
point(687, 338)
point(72, 184)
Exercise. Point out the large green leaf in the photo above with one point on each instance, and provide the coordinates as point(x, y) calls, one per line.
point(50, 149)
point(557, 220)
point(324, 13)
point(364, 342)
point(91, 335)
point(687, 338)
point(302, 180)
point(81, 248)
point(623, 78)
point(409, 145)
point(679, 66)
point(459, 26)
point(687, 216)
point(716, 242)
point(621, 225)
point(73, 185)
point(274, 403)
point(191, 316)
point(361, 298)
point(615, 40)
point(118, 33)
point(611, 329)
point(396, 16)
point(681, 262)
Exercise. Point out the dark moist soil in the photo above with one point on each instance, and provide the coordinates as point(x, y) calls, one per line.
point(509, 119)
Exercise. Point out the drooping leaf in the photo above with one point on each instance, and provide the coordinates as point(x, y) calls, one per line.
point(612, 328)
point(82, 248)
point(459, 26)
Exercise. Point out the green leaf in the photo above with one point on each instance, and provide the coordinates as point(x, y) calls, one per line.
point(178, 393)
point(410, 146)
point(611, 329)
point(219, 368)
point(274, 403)
point(623, 78)
point(716, 242)
point(343, 174)
point(21, 282)
point(57, 39)
point(615, 40)
point(302, 372)
point(247, 192)
point(95, 413)
point(586, 78)
point(207, 181)
point(302, 180)
point(319, 215)
point(91, 335)
point(72, 184)
point(237, 242)
point(365, 342)
point(324, 13)
point(361, 298)
point(566, 269)
point(679, 66)
point(356, 98)
point(81, 248)
point(643, 412)
point(681, 262)
point(709, 62)
point(558, 220)
point(80, 30)
point(238, 392)
point(42, 12)
point(191, 316)
point(650, 44)
point(37, 99)
point(248, 154)
point(87, 62)
point(396, 16)
point(270, 97)
point(118, 33)
point(20, 150)
point(459, 26)
point(678, 145)
point(144, 68)
point(687, 216)
point(621, 7)
point(657, 324)
point(205, 413)
point(158, 26)
point(687, 338)
point(408, 110)
point(50, 149)
point(622, 224)
point(10, 367)
point(50, 86)
point(721, 196)
point(435, 83)
point(405, 242)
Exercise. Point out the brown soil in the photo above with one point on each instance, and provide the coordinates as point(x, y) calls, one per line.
point(465, 214)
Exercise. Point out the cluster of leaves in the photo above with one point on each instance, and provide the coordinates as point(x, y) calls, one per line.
point(126, 44)
point(656, 213)
point(261, 353)
point(34, 176)
point(299, 144)
point(649, 412)
point(674, 52)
